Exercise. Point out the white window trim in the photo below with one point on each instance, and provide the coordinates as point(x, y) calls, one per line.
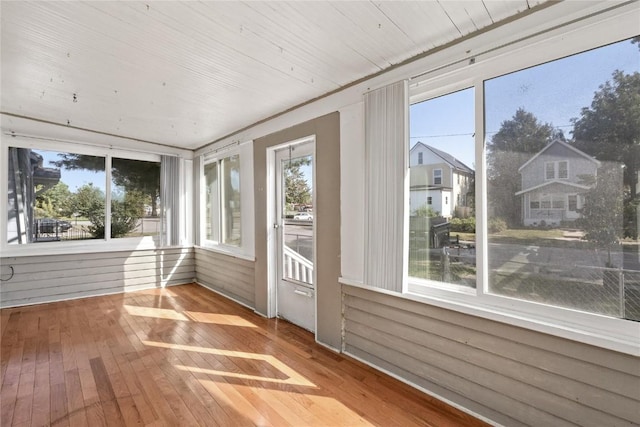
point(70, 247)
point(607, 332)
point(434, 176)
point(246, 249)
point(556, 169)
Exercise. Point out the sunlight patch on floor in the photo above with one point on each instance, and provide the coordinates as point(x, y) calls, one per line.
point(293, 376)
point(158, 313)
point(219, 319)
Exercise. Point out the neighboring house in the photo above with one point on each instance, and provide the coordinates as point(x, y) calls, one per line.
point(439, 181)
point(552, 188)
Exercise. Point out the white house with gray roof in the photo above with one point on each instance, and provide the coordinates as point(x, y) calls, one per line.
point(439, 181)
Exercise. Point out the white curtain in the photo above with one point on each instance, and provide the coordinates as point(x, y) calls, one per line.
point(386, 152)
point(170, 197)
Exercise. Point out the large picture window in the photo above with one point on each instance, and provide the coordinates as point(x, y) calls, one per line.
point(558, 189)
point(61, 196)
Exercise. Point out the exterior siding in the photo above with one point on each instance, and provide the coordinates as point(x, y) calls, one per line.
point(47, 278)
point(510, 375)
point(228, 275)
point(533, 174)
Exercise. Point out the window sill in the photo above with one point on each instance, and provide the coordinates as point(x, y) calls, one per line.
point(606, 332)
point(226, 250)
point(83, 246)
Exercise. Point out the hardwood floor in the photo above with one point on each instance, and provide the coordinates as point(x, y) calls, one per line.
point(185, 356)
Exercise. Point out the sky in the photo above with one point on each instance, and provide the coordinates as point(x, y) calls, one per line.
point(73, 178)
point(554, 92)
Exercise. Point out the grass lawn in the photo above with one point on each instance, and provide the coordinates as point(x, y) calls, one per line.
point(528, 237)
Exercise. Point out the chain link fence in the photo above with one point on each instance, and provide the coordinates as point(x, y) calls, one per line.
point(609, 291)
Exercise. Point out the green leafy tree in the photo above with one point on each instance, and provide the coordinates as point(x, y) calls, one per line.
point(515, 142)
point(132, 175)
point(88, 201)
point(297, 190)
point(602, 209)
point(609, 129)
point(125, 214)
point(54, 202)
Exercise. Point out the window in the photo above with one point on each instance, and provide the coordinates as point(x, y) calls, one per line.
point(556, 259)
point(563, 170)
point(60, 196)
point(431, 259)
point(419, 158)
point(437, 176)
point(550, 170)
point(556, 170)
point(222, 201)
point(573, 203)
point(564, 272)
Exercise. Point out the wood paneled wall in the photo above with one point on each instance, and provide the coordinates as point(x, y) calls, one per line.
point(40, 279)
point(228, 275)
point(510, 375)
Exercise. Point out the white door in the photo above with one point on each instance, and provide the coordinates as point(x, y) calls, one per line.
point(295, 219)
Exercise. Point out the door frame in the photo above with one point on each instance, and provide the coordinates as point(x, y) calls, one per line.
point(272, 232)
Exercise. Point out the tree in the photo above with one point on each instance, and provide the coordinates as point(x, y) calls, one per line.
point(609, 129)
point(514, 143)
point(132, 175)
point(55, 201)
point(602, 210)
point(297, 191)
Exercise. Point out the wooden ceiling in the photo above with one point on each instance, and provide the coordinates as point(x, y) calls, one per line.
point(188, 73)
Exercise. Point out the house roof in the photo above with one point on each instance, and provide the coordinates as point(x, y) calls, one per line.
point(554, 181)
point(455, 163)
point(564, 144)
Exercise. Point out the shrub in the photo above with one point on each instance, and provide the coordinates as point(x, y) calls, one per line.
point(496, 225)
point(463, 225)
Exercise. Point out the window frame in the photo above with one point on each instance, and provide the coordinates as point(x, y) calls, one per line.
point(246, 248)
point(80, 246)
point(556, 43)
point(437, 177)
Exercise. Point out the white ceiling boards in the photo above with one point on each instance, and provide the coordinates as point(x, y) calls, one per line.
point(189, 73)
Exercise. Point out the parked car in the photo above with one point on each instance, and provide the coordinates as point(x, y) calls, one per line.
point(303, 216)
point(50, 225)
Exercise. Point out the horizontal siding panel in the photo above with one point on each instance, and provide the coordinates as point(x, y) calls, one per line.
point(71, 271)
point(523, 353)
point(489, 362)
point(226, 274)
point(611, 360)
point(52, 278)
point(498, 374)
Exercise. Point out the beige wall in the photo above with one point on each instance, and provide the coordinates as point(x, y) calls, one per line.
point(327, 214)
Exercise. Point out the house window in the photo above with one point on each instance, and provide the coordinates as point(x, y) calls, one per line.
point(222, 201)
point(429, 262)
point(549, 170)
point(437, 176)
point(563, 169)
point(57, 196)
point(556, 169)
point(419, 158)
point(573, 203)
point(526, 266)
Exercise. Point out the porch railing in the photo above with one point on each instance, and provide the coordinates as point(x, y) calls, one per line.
point(297, 267)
